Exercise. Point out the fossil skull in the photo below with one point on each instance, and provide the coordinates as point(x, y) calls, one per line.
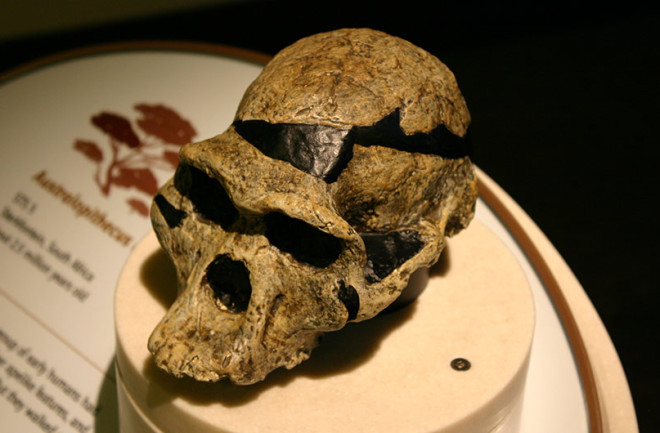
point(344, 170)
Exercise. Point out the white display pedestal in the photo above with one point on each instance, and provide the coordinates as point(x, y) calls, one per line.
point(392, 373)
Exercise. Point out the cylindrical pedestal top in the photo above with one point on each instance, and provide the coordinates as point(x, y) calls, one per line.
point(453, 361)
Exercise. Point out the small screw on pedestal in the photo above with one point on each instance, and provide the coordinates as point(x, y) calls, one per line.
point(460, 364)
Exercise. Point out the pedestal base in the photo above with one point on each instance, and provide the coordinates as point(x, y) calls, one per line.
point(393, 373)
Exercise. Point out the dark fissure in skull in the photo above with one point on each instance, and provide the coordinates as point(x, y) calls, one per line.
point(305, 243)
point(387, 251)
point(230, 281)
point(325, 151)
point(319, 150)
point(350, 298)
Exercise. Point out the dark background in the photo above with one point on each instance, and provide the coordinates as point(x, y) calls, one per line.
point(565, 104)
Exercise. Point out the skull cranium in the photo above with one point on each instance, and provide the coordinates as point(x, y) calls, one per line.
point(344, 170)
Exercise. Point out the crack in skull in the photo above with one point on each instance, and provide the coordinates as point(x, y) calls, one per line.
point(325, 151)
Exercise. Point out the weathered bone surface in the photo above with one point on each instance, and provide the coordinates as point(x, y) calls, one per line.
point(344, 170)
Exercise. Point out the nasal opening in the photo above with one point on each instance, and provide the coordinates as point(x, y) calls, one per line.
point(230, 281)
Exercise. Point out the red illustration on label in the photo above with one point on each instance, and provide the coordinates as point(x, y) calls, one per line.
point(131, 153)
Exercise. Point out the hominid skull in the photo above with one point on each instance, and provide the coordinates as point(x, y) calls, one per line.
point(345, 168)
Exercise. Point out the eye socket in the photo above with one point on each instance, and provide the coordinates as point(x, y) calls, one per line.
point(230, 281)
point(305, 243)
point(210, 199)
